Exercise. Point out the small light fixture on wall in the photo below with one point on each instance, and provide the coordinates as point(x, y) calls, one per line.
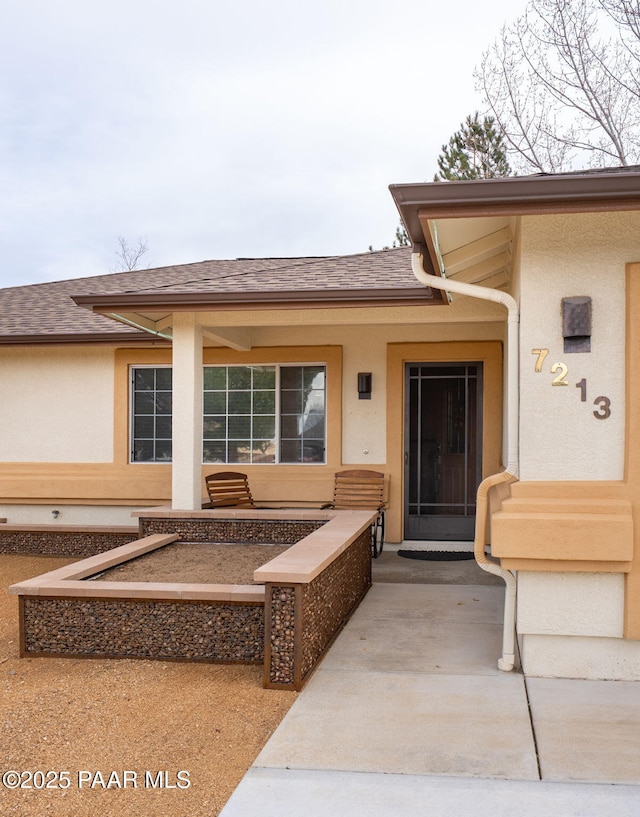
point(364, 385)
point(576, 324)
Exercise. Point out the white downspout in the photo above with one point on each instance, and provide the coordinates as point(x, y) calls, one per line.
point(510, 474)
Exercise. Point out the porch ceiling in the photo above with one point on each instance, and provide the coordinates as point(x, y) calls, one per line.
point(468, 226)
point(154, 312)
point(476, 251)
point(241, 329)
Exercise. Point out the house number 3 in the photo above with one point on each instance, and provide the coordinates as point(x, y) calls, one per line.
point(602, 403)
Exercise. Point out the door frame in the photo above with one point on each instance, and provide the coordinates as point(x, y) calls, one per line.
point(490, 354)
point(460, 526)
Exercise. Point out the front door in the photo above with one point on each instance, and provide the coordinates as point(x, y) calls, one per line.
point(443, 441)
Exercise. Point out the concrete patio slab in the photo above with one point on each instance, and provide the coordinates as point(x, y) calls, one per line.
point(408, 723)
point(389, 567)
point(278, 792)
point(587, 730)
point(429, 628)
point(421, 645)
point(408, 715)
point(432, 603)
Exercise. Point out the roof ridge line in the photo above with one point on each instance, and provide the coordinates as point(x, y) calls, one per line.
point(234, 274)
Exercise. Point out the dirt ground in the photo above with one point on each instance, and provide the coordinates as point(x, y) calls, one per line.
point(202, 562)
point(85, 722)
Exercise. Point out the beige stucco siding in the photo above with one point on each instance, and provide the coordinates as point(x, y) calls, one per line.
point(365, 350)
point(89, 515)
point(85, 401)
point(576, 604)
point(556, 656)
point(575, 624)
point(57, 404)
point(567, 256)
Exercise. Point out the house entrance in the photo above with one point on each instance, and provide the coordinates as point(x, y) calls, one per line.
point(443, 457)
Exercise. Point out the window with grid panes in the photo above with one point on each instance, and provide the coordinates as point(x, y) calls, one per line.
point(264, 414)
point(151, 407)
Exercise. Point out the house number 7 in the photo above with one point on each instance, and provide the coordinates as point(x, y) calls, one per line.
point(542, 353)
point(559, 379)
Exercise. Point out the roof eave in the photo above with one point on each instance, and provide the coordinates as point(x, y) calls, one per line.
point(61, 338)
point(243, 301)
point(513, 196)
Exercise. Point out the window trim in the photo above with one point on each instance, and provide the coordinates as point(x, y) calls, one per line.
point(131, 373)
point(278, 415)
point(331, 354)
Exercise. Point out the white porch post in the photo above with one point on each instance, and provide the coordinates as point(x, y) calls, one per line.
point(187, 413)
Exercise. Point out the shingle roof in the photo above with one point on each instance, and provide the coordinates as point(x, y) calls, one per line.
point(370, 270)
point(46, 312)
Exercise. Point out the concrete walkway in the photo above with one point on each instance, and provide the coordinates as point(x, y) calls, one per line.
point(409, 715)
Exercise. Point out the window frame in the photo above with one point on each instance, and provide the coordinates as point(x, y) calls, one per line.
point(133, 368)
point(329, 373)
point(278, 437)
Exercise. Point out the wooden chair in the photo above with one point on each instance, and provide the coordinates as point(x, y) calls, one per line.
point(362, 490)
point(228, 489)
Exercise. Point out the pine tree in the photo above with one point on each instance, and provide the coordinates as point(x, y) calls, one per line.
point(402, 237)
point(476, 151)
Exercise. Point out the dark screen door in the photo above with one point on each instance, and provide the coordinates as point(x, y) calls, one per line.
point(443, 434)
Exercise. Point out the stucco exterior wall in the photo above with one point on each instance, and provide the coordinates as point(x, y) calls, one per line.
point(69, 447)
point(67, 514)
point(57, 404)
point(365, 350)
point(572, 624)
point(583, 604)
point(547, 656)
point(567, 256)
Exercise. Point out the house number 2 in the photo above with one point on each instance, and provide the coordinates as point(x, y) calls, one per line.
point(602, 403)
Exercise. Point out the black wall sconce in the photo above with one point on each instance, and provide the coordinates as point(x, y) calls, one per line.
point(364, 385)
point(576, 324)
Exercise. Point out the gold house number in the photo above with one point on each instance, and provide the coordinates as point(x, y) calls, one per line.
point(561, 370)
point(560, 379)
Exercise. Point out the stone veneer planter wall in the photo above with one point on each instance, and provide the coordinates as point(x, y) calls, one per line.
point(303, 619)
point(137, 628)
point(244, 530)
point(310, 593)
point(57, 540)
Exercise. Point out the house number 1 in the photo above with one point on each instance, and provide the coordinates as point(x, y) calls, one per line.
point(603, 404)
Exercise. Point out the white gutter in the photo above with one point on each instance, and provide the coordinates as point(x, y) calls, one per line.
point(510, 474)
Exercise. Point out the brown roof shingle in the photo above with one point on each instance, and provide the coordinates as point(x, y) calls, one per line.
point(46, 312)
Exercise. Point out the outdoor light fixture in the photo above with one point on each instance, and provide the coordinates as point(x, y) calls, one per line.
point(576, 324)
point(364, 385)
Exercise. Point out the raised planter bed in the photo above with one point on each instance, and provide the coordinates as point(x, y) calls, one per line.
point(304, 597)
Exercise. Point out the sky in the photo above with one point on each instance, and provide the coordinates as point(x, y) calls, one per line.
point(215, 129)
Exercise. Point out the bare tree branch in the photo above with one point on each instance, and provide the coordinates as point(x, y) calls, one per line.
point(562, 83)
point(129, 256)
point(626, 13)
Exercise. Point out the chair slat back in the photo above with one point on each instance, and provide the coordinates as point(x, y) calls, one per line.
point(229, 489)
point(358, 490)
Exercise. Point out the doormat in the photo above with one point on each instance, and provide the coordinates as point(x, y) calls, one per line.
point(436, 555)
